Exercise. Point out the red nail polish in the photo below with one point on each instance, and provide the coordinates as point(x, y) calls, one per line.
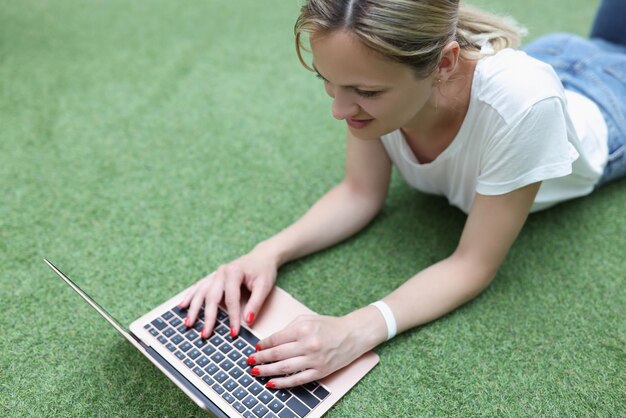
point(205, 333)
point(258, 347)
point(187, 322)
point(255, 371)
point(233, 332)
point(251, 361)
point(250, 318)
point(270, 385)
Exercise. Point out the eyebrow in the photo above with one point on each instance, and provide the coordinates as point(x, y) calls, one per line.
point(352, 86)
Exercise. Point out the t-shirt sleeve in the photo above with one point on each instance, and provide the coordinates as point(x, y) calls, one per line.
point(533, 148)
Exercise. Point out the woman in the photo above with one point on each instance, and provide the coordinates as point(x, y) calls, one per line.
point(436, 90)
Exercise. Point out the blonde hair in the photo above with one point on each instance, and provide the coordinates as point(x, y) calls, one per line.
point(411, 32)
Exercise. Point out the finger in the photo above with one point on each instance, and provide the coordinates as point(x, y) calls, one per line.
point(260, 289)
point(211, 299)
point(195, 305)
point(232, 287)
point(297, 379)
point(282, 352)
point(287, 335)
point(281, 368)
point(184, 303)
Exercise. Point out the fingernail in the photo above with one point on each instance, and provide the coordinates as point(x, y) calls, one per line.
point(258, 347)
point(251, 361)
point(205, 333)
point(187, 322)
point(233, 332)
point(250, 318)
point(270, 385)
point(255, 371)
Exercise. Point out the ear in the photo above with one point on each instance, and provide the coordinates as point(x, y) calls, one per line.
point(449, 60)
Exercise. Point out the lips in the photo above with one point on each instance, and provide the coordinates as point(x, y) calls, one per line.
point(358, 123)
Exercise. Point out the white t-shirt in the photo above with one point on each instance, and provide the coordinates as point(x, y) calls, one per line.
point(521, 127)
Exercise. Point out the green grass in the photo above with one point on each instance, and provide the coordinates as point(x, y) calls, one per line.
point(143, 143)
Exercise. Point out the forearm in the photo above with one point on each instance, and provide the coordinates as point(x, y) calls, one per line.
point(339, 214)
point(430, 294)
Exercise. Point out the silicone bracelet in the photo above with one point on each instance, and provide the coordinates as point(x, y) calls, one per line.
point(390, 320)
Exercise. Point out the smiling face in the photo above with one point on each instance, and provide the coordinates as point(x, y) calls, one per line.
point(374, 95)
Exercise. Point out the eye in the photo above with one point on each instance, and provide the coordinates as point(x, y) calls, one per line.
point(366, 93)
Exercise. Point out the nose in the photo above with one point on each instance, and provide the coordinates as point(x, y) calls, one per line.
point(343, 106)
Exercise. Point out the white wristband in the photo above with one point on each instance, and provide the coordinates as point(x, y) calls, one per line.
point(390, 320)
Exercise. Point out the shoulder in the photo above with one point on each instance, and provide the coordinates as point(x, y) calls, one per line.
point(511, 82)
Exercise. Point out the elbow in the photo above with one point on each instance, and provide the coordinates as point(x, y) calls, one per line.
point(477, 274)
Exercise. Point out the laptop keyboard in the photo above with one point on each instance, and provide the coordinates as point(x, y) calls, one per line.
point(220, 361)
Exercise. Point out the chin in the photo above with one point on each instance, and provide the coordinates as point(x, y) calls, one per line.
point(367, 134)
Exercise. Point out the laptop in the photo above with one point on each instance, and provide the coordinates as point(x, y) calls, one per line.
point(214, 372)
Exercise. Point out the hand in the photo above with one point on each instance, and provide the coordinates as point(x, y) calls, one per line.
point(311, 347)
point(254, 270)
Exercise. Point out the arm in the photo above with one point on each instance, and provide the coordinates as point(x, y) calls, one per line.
point(321, 345)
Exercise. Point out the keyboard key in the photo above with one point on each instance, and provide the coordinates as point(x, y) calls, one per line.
point(159, 324)
point(245, 380)
point(180, 355)
point(225, 348)
point(169, 332)
point(208, 380)
point(286, 413)
point(250, 401)
point(162, 339)
point(297, 406)
point(265, 397)
point(182, 329)
point(218, 388)
point(321, 393)
point(189, 363)
point(185, 346)
point(191, 336)
point(255, 389)
point(221, 315)
point(193, 353)
point(220, 376)
point(198, 325)
point(260, 410)
point(202, 361)
point(146, 326)
point(222, 330)
point(248, 336)
point(167, 315)
point(305, 396)
point(230, 385)
point(240, 393)
point(175, 322)
point(180, 312)
point(216, 341)
point(311, 386)
point(154, 332)
point(239, 407)
point(211, 369)
point(217, 357)
point(283, 395)
point(234, 355)
point(248, 351)
point(275, 405)
point(228, 397)
point(235, 372)
point(200, 343)
point(240, 344)
point(198, 371)
point(242, 363)
point(208, 350)
point(227, 365)
point(177, 339)
point(171, 347)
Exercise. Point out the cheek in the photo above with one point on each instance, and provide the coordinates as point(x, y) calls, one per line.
point(329, 90)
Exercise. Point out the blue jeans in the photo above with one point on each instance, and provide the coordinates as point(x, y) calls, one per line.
point(596, 68)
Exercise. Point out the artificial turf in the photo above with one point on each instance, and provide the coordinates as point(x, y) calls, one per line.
point(143, 143)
